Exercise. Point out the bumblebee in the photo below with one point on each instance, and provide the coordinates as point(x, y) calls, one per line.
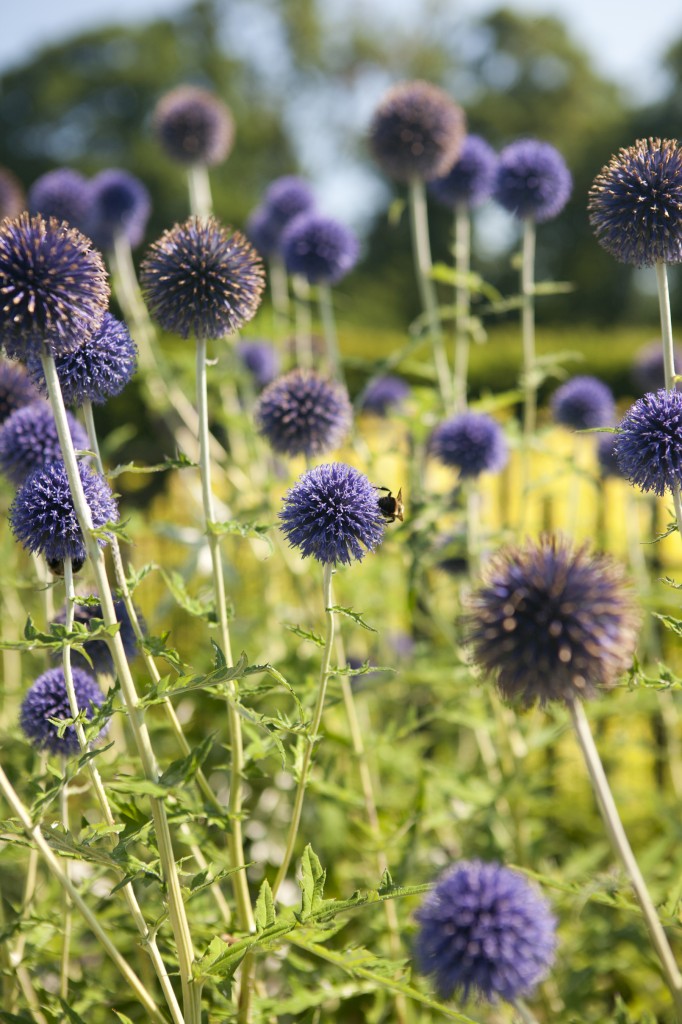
point(391, 507)
point(56, 565)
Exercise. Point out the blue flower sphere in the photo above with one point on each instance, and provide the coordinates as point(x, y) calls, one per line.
point(28, 440)
point(98, 370)
point(417, 132)
point(485, 929)
point(98, 650)
point(118, 204)
point(532, 180)
point(319, 248)
point(261, 360)
point(286, 197)
point(47, 699)
point(648, 444)
point(606, 455)
point(43, 518)
point(301, 413)
point(471, 179)
point(471, 442)
point(385, 393)
point(550, 622)
point(16, 389)
point(332, 514)
point(62, 194)
point(53, 287)
point(202, 279)
point(193, 126)
point(263, 231)
point(635, 203)
point(582, 403)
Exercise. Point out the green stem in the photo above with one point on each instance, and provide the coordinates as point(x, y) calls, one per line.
point(303, 334)
point(326, 307)
point(68, 906)
point(668, 361)
point(528, 327)
point(310, 738)
point(462, 304)
point(200, 199)
point(279, 295)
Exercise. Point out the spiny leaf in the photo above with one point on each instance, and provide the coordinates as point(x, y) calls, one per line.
point(187, 683)
point(130, 467)
point(184, 769)
point(349, 613)
point(265, 908)
point(306, 635)
point(253, 531)
point(312, 881)
point(199, 608)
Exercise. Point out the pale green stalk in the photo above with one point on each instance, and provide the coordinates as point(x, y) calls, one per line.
point(525, 1015)
point(528, 327)
point(462, 304)
point(279, 294)
point(303, 330)
point(199, 185)
point(326, 307)
point(68, 915)
point(668, 361)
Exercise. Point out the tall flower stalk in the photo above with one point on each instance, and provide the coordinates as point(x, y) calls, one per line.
point(668, 363)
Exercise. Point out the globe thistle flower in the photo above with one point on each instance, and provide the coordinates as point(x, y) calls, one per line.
point(53, 286)
point(16, 389)
point(532, 180)
point(263, 231)
point(200, 278)
point(47, 699)
point(485, 929)
point(471, 179)
point(193, 126)
point(118, 204)
point(261, 360)
point(648, 444)
point(417, 132)
point(606, 455)
point(98, 650)
point(286, 197)
point(98, 370)
point(301, 413)
point(28, 440)
point(471, 442)
point(552, 623)
point(582, 403)
point(648, 371)
point(385, 393)
point(635, 203)
point(12, 200)
point(332, 514)
point(43, 518)
point(319, 248)
point(62, 194)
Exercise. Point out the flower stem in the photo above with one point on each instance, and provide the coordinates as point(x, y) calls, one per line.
point(68, 906)
point(326, 307)
point(622, 848)
point(462, 304)
point(528, 327)
point(303, 333)
point(668, 361)
point(199, 185)
point(310, 738)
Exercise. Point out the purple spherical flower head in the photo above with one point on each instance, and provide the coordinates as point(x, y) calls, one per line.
point(332, 514)
point(471, 178)
point(62, 194)
point(261, 359)
point(417, 132)
point(319, 248)
point(582, 403)
point(635, 203)
point(28, 440)
point(53, 286)
point(385, 393)
point(648, 371)
point(43, 518)
point(286, 197)
point(301, 413)
point(263, 231)
point(118, 205)
point(16, 389)
point(12, 199)
point(194, 126)
point(201, 278)
point(606, 455)
point(47, 699)
point(98, 370)
point(471, 442)
point(552, 623)
point(648, 444)
point(485, 929)
point(98, 650)
point(532, 180)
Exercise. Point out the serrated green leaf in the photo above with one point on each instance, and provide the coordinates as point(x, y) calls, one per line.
point(253, 531)
point(185, 768)
point(312, 881)
point(355, 616)
point(264, 912)
point(306, 634)
point(131, 467)
point(199, 608)
point(166, 688)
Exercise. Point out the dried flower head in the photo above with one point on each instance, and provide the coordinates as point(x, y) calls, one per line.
point(261, 359)
point(118, 205)
point(583, 402)
point(62, 194)
point(16, 389)
point(471, 178)
point(319, 248)
point(550, 622)
point(47, 699)
point(98, 650)
point(200, 278)
point(301, 413)
point(648, 444)
point(332, 514)
point(635, 203)
point(532, 180)
point(28, 440)
point(385, 393)
point(193, 126)
point(485, 929)
point(417, 131)
point(53, 286)
point(473, 443)
point(12, 199)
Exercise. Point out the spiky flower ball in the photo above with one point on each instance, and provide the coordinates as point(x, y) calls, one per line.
point(261, 359)
point(203, 279)
point(53, 286)
point(582, 403)
point(47, 699)
point(473, 443)
point(485, 930)
point(301, 413)
point(16, 389)
point(118, 205)
point(320, 249)
point(384, 394)
point(98, 370)
point(550, 622)
point(193, 126)
point(471, 178)
point(648, 444)
point(62, 194)
point(98, 650)
point(286, 197)
point(332, 514)
point(12, 199)
point(263, 231)
point(532, 180)
point(43, 518)
point(28, 440)
point(417, 132)
point(648, 369)
point(635, 203)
